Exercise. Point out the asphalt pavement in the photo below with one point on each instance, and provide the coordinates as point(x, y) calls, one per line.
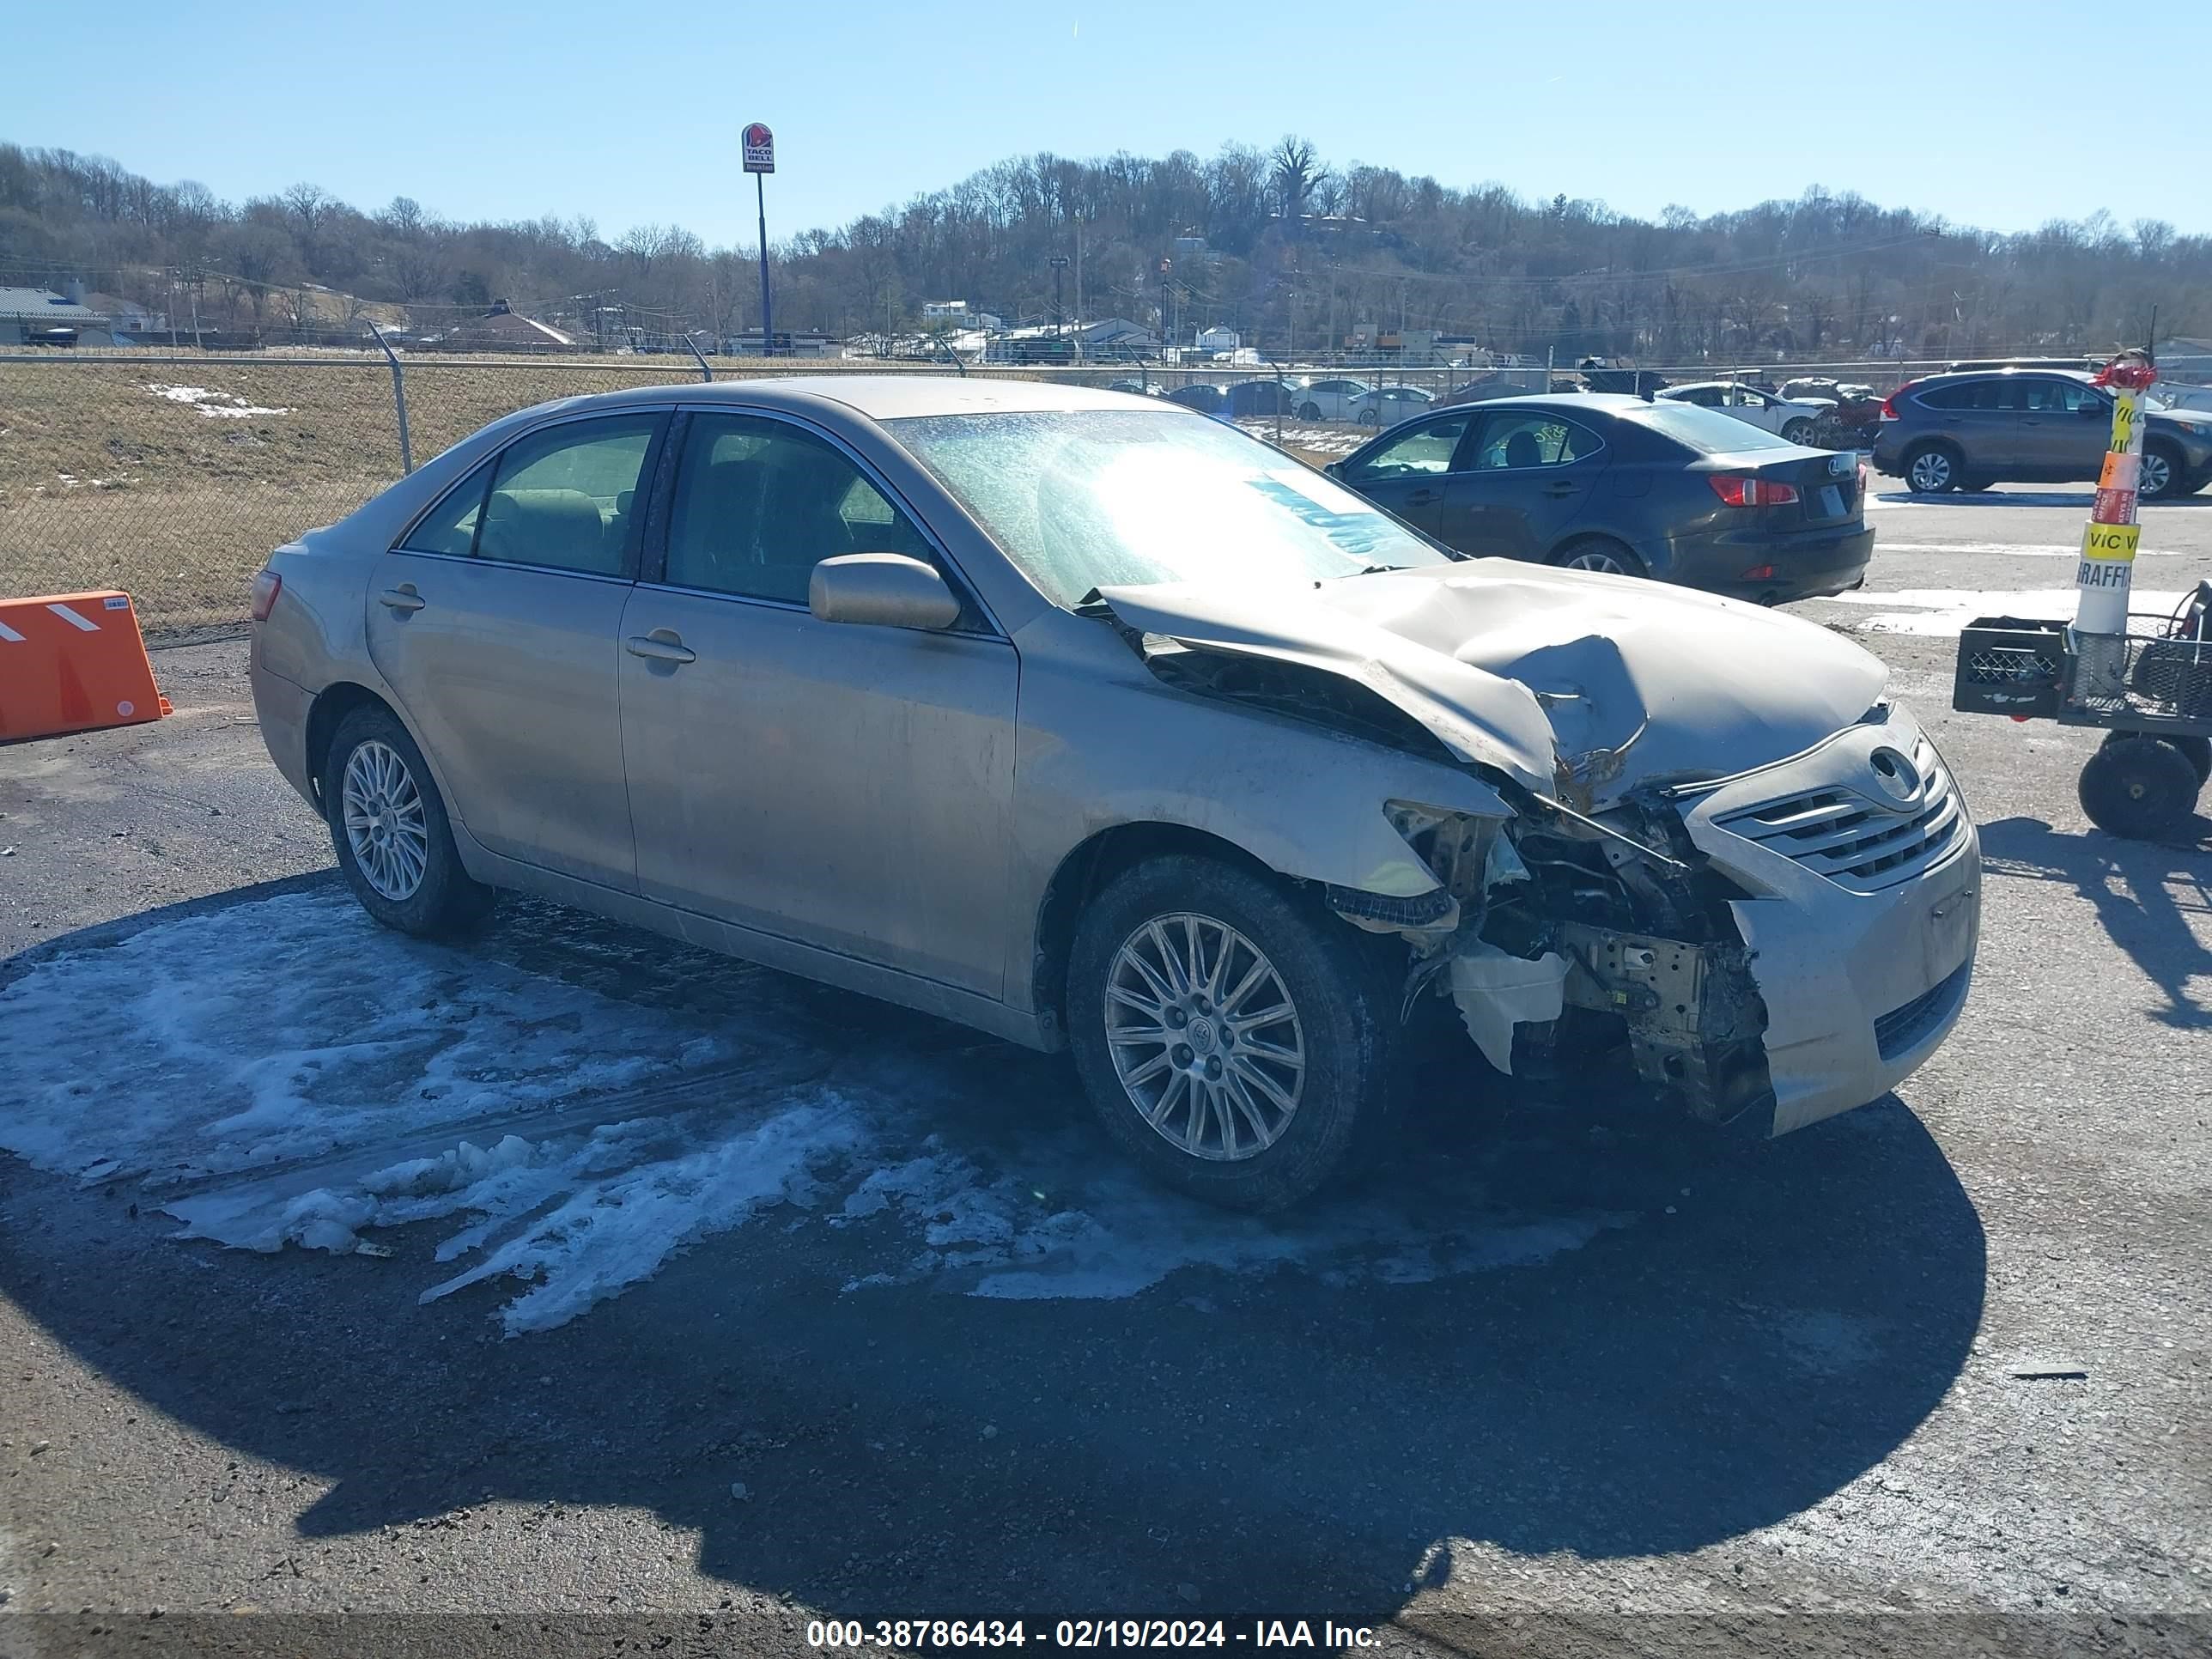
point(1934, 1374)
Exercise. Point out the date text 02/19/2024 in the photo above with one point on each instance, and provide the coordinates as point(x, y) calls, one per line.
point(1076, 1634)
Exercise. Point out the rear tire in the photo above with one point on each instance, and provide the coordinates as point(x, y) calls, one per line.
point(2199, 751)
point(1599, 553)
point(1932, 469)
point(388, 824)
point(1215, 1081)
point(2139, 787)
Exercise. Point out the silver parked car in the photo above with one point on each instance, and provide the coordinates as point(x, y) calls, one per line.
point(1090, 722)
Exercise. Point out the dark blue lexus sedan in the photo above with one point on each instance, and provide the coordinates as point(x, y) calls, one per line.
point(1593, 482)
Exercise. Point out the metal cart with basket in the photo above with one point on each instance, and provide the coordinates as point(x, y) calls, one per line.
point(2150, 690)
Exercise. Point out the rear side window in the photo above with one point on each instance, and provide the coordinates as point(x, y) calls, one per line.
point(1961, 396)
point(566, 497)
point(450, 527)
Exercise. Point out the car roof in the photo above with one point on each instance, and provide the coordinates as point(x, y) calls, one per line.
point(878, 396)
point(2081, 374)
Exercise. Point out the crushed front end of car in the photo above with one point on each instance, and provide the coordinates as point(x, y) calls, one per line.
point(1765, 950)
point(1722, 855)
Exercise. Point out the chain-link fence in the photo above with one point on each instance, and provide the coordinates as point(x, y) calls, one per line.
point(171, 475)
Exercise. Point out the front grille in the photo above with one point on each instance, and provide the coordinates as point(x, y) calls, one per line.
point(1837, 834)
point(1904, 1029)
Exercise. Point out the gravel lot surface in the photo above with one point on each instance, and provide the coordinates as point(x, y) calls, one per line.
point(1630, 1399)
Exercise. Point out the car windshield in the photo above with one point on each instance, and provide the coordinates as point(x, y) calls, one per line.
point(1098, 498)
point(1707, 431)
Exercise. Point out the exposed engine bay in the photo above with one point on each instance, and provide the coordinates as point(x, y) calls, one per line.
point(1571, 937)
point(1563, 930)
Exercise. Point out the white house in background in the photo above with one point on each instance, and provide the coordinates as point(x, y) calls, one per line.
point(945, 311)
point(127, 316)
point(1218, 338)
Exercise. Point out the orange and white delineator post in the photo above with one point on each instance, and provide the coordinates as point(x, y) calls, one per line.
point(72, 662)
point(2106, 572)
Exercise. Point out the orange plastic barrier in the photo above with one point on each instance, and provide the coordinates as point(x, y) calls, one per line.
point(71, 662)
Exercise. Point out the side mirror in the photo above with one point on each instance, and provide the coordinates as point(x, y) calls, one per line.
point(887, 590)
point(1334, 469)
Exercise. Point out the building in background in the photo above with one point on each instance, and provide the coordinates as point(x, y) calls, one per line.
point(37, 316)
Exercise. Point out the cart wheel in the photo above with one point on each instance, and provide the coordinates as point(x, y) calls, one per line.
point(2144, 788)
point(2199, 750)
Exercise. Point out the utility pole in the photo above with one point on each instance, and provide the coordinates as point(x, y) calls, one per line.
point(1166, 264)
point(1079, 278)
point(1058, 264)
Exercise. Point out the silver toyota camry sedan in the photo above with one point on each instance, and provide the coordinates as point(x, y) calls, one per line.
point(1094, 723)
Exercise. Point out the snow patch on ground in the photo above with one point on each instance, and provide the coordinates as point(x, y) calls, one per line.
point(216, 404)
point(1316, 439)
point(285, 1072)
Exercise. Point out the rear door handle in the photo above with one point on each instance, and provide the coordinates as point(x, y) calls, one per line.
point(1560, 487)
point(660, 647)
point(403, 599)
point(1424, 497)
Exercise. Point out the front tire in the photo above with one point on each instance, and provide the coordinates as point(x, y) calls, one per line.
point(1932, 470)
point(2161, 477)
point(1309, 412)
point(1799, 432)
point(1233, 1042)
point(2139, 787)
point(388, 824)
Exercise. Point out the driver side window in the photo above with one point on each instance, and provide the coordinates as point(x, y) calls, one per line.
point(759, 503)
point(1423, 453)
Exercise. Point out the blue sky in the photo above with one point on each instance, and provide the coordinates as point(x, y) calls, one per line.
point(629, 114)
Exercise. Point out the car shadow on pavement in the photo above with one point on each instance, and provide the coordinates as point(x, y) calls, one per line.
point(2144, 893)
point(1744, 1335)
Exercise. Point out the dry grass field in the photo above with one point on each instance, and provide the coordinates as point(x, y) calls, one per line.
point(172, 476)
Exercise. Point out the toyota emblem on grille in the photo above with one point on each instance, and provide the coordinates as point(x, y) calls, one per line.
point(1896, 779)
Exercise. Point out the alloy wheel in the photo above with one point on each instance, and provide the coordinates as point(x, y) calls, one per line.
point(1205, 1038)
point(385, 824)
point(1931, 471)
point(1595, 558)
point(2155, 474)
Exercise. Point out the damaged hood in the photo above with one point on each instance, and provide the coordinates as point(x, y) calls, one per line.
point(1582, 687)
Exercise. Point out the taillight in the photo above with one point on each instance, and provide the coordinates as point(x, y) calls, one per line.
point(1758, 573)
point(1745, 489)
point(1889, 407)
point(267, 584)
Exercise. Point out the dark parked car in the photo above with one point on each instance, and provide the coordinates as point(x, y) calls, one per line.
point(1250, 398)
point(1199, 395)
point(2026, 426)
point(1603, 481)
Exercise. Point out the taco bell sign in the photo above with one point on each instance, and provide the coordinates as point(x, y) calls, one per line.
point(759, 149)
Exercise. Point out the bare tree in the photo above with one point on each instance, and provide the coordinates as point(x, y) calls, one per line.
point(1295, 166)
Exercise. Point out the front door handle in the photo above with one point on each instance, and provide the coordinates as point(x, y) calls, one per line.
point(1560, 487)
point(1424, 497)
point(662, 645)
point(403, 599)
